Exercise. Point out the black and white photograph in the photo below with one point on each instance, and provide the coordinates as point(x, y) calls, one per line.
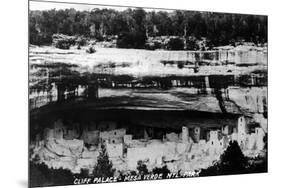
point(125, 94)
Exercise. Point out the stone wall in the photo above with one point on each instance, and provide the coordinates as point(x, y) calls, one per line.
point(114, 136)
point(184, 151)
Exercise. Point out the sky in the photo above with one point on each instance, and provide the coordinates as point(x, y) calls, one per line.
point(38, 5)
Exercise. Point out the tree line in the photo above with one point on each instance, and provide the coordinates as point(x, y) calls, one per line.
point(138, 24)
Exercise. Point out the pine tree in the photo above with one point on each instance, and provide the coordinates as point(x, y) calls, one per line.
point(232, 161)
point(163, 170)
point(142, 168)
point(103, 167)
point(233, 158)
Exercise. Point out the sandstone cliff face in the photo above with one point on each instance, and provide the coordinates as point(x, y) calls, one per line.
point(67, 154)
point(253, 100)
